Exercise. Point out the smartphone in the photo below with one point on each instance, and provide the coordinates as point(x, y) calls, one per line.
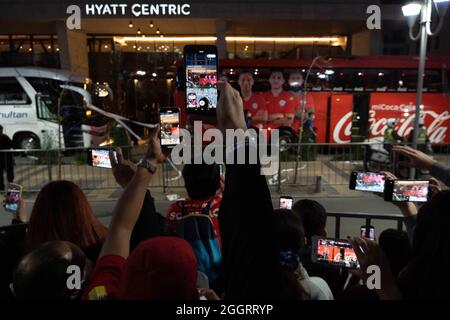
point(286, 202)
point(367, 181)
point(170, 126)
point(12, 197)
point(368, 232)
point(406, 191)
point(334, 252)
point(200, 62)
point(99, 157)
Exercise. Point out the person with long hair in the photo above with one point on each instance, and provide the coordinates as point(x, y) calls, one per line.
point(426, 275)
point(62, 212)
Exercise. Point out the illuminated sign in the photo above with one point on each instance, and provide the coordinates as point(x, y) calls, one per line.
point(137, 9)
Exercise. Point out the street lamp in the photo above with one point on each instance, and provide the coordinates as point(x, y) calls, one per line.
point(411, 11)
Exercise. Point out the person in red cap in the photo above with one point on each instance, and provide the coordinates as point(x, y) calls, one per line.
point(159, 268)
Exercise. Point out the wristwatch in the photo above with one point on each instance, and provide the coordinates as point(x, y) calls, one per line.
point(144, 163)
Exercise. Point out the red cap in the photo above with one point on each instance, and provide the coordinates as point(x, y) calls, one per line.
point(161, 268)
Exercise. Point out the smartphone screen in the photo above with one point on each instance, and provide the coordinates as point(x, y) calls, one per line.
point(370, 235)
point(12, 197)
point(335, 252)
point(410, 191)
point(100, 158)
point(201, 79)
point(286, 203)
point(367, 181)
point(170, 126)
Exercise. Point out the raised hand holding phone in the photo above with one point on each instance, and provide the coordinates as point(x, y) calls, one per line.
point(123, 170)
point(406, 208)
point(12, 197)
point(200, 62)
point(170, 126)
point(99, 157)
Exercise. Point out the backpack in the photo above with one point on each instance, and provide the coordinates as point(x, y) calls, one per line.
point(198, 229)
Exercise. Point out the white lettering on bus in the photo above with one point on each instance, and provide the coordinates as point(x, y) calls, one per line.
point(436, 129)
point(13, 115)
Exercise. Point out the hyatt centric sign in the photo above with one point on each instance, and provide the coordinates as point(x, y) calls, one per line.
point(137, 9)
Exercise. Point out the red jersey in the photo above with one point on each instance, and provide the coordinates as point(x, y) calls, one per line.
point(175, 212)
point(283, 103)
point(254, 104)
point(105, 279)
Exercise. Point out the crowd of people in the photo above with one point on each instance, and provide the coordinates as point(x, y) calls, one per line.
point(226, 241)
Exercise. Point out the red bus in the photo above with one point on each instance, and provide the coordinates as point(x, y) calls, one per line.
point(354, 97)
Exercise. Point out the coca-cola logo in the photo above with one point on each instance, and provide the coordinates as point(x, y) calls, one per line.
point(435, 124)
point(394, 107)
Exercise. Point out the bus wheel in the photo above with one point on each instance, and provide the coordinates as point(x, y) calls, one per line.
point(27, 141)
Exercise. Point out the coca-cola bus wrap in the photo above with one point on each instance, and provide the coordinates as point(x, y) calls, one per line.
point(401, 106)
point(387, 83)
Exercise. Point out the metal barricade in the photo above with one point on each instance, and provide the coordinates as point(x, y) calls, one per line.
point(318, 165)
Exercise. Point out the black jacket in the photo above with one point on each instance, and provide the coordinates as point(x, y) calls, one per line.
point(249, 243)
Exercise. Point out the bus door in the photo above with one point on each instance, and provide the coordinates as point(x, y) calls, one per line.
point(360, 117)
point(340, 112)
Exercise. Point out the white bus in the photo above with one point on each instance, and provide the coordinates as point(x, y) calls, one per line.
point(29, 107)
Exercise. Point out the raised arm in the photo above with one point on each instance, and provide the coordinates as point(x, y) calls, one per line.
point(128, 207)
point(148, 223)
point(419, 160)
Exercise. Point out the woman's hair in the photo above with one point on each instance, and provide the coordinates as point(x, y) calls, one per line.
point(427, 274)
point(62, 212)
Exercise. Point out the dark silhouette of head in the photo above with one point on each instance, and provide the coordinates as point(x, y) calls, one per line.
point(290, 230)
point(291, 238)
point(313, 217)
point(201, 180)
point(43, 274)
point(395, 244)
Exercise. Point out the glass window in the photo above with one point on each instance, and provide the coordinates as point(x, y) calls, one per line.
point(264, 50)
point(285, 50)
point(408, 80)
point(12, 93)
point(44, 104)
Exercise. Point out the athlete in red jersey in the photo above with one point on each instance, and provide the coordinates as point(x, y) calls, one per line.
point(254, 103)
point(280, 104)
